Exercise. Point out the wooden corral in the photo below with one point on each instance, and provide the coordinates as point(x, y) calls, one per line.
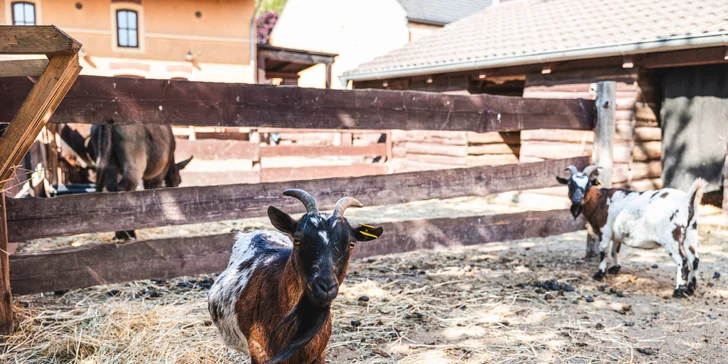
point(31, 115)
point(146, 101)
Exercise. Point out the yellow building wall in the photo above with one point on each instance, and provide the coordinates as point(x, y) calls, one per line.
point(357, 30)
point(218, 41)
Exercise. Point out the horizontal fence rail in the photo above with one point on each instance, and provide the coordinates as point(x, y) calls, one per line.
point(104, 212)
point(94, 100)
point(167, 258)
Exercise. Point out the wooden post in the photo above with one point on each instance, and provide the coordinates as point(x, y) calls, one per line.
point(6, 298)
point(725, 184)
point(602, 152)
point(328, 76)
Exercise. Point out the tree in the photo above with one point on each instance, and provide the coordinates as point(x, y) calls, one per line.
point(265, 23)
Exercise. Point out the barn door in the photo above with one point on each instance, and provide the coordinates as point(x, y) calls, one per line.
point(694, 118)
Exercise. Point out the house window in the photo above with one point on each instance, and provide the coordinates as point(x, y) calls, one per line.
point(23, 13)
point(127, 29)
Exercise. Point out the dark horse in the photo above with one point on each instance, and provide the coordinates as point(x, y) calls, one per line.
point(142, 155)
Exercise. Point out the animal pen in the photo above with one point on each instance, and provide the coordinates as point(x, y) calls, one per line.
point(147, 101)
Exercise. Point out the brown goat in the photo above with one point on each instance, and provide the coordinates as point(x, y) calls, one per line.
point(273, 300)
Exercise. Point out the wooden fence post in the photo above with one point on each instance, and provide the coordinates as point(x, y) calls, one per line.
point(6, 298)
point(603, 149)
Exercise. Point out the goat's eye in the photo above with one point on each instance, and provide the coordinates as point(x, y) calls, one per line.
point(352, 245)
point(296, 241)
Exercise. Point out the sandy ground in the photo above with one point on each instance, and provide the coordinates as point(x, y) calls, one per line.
point(481, 304)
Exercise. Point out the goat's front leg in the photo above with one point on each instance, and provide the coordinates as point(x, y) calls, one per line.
point(614, 269)
point(603, 246)
point(681, 263)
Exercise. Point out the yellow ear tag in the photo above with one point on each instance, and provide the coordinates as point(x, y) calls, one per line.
point(367, 226)
point(599, 183)
point(368, 234)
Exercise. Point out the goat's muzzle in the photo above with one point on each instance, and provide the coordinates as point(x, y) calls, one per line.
point(576, 209)
point(324, 290)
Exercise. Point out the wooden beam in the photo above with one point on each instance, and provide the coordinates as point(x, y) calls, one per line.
point(103, 212)
point(148, 101)
point(690, 57)
point(34, 113)
point(180, 256)
point(327, 81)
point(6, 297)
point(603, 149)
point(283, 75)
point(43, 39)
point(294, 150)
point(22, 67)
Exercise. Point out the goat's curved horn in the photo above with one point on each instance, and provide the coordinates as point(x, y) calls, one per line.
point(344, 204)
point(304, 197)
point(590, 169)
point(572, 169)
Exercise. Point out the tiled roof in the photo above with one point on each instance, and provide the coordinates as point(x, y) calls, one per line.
point(536, 31)
point(442, 11)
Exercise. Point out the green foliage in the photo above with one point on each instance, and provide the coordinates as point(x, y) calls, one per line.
point(270, 5)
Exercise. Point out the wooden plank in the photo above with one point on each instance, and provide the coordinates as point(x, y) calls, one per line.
point(690, 57)
point(554, 150)
point(35, 111)
point(149, 101)
point(294, 150)
point(43, 39)
point(22, 67)
point(488, 138)
point(443, 137)
point(180, 256)
point(492, 149)
point(321, 172)
point(564, 136)
point(437, 149)
point(101, 212)
point(214, 149)
point(6, 297)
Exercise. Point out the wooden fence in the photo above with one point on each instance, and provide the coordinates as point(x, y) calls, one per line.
point(140, 101)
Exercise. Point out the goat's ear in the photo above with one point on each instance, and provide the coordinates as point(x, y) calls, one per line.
point(281, 220)
point(366, 232)
point(595, 182)
point(563, 181)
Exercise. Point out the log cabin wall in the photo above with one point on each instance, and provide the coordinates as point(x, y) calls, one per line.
point(637, 146)
point(419, 150)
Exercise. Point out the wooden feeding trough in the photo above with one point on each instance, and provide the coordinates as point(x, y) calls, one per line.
point(57, 74)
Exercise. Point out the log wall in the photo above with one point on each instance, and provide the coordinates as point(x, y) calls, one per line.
point(637, 144)
point(418, 150)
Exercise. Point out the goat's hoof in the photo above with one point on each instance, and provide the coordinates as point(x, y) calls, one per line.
point(598, 276)
point(692, 286)
point(614, 269)
point(681, 292)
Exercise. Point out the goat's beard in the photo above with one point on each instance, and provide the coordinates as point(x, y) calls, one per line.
point(576, 209)
point(297, 329)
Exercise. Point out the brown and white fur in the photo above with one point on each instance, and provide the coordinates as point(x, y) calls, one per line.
point(645, 220)
point(273, 300)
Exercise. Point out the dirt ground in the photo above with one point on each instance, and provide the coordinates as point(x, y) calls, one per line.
point(494, 303)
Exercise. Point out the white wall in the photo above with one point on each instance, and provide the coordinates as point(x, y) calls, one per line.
point(358, 30)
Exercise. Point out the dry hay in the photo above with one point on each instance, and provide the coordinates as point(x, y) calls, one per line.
point(465, 305)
